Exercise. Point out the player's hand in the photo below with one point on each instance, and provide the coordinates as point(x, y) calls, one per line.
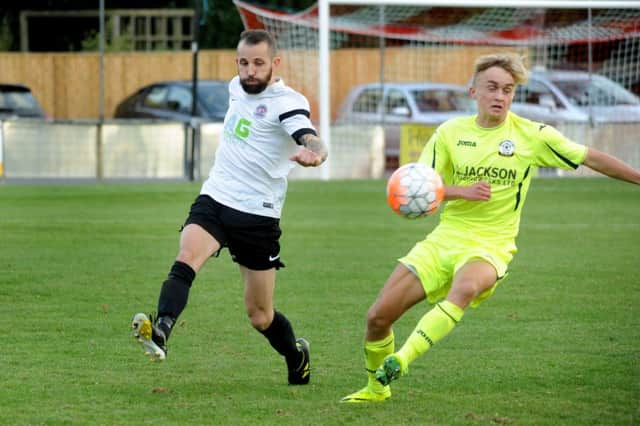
point(307, 158)
point(479, 191)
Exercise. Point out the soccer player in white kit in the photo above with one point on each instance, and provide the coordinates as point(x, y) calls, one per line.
point(266, 129)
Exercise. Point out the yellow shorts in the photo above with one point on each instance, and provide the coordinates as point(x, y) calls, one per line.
point(436, 259)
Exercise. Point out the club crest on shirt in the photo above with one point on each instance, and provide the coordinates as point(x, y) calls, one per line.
point(506, 148)
point(261, 111)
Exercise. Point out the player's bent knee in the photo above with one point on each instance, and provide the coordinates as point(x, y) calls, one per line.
point(259, 324)
point(259, 320)
point(376, 322)
point(464, 293)
point(187, 256)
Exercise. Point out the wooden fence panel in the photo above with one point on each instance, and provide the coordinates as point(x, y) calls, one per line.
point(68, 84)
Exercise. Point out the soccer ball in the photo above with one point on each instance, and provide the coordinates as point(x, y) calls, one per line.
point(415, 190)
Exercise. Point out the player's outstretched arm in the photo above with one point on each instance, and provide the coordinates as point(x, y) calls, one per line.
point(610, 166)
point(479, 191)
point(313, 151)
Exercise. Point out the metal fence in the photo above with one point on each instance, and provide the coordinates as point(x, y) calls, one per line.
point(148, 150)
point(90, 150)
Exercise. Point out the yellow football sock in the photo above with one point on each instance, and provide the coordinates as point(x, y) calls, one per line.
point(374, 354)
point(431, 328)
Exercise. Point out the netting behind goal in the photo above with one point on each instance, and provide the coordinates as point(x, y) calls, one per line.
point(400, 44)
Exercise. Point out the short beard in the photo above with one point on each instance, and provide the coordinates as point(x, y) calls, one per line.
point(254, 89)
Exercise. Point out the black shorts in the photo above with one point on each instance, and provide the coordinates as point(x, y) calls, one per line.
point(252, 240)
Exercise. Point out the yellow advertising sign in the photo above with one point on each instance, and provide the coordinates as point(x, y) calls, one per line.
point(413, 138)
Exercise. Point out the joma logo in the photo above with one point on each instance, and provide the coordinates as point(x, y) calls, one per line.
point(425, 337)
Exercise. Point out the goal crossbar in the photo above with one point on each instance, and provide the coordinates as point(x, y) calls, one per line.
point(555, 4)
point(324, 32)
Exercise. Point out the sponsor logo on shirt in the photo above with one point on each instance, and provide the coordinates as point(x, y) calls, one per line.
point(494, 175)
point(490, 172)
point(236, 127)
point(242, 128)
point(466, 143)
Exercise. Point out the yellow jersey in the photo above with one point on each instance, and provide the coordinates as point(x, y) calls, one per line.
point(505, 156)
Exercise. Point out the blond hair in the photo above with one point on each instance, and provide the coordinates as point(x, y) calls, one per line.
point(510, 62)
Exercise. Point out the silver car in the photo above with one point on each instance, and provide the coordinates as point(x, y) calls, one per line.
point(17, 100)
point(554, 97)
point(393, 104)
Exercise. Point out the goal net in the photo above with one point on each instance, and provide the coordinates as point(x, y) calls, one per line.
point(365, 68)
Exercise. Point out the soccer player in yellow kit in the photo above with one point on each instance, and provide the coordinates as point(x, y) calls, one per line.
point(487, 163)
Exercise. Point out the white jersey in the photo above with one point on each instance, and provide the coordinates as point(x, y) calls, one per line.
point(252, 161)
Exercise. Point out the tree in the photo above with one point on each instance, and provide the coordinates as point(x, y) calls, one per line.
point(219, 30)
point(223, 23)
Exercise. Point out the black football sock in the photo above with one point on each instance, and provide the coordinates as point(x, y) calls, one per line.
point(281, 337)
point(174, 295)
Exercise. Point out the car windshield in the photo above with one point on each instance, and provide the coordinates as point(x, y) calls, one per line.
point(215, 98)
point(20, 102)
point(597, 91)
point(442, 100)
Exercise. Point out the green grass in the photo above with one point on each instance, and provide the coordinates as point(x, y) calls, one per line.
point(558, 343)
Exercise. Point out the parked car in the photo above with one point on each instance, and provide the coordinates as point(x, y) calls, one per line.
point(555, 97)
point(393, 104)
point(16, 100)
point(171, 100)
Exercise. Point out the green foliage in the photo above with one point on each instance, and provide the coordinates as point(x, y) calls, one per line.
point(222, 27)
point(220, 30)
point(111, 44)
point(6, 37)
point(558, 343)
point(223, 24)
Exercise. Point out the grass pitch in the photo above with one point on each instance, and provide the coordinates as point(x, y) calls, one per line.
point(558, 343)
